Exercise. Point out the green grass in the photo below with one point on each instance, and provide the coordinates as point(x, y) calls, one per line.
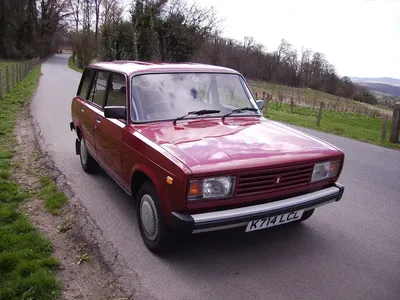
point(355, 126)
point(26, 265)
point(73, 66)
point(53, 199)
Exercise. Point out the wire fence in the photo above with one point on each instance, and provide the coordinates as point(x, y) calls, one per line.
point(12, 73)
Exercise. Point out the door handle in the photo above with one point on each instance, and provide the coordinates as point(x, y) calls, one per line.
point(82, 109)
point(98, 119)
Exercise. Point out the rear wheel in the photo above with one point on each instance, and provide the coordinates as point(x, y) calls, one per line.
point(89, 164)
point(156, 234)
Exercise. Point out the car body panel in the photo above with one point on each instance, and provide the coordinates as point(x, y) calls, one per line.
point(87, 119)
point(212, 146)
point(131, 68)
point(139, 154)
point(108, 140)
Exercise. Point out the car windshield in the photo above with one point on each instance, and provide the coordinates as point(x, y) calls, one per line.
point(172, 95)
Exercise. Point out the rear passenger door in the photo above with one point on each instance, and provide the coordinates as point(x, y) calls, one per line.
point(88, 107)
point(109, 132)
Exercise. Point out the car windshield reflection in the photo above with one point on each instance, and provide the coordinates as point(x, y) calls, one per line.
point(170, 96)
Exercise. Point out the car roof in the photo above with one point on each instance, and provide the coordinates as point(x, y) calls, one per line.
point(135, 67)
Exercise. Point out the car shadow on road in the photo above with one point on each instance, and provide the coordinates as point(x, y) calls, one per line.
point(283, 239)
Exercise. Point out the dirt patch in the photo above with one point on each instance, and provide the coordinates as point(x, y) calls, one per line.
point(83, 273)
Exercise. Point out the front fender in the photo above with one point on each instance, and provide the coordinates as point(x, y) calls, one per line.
point(149, 173)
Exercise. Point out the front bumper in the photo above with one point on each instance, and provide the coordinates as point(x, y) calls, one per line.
point(237, 217)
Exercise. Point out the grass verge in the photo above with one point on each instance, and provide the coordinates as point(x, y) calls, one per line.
point(355, 126)
point(53, 199)
point(26, 263)
point(73, 66)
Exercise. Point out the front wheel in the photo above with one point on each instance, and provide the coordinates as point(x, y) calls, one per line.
point(156, 234)
point(89, 164)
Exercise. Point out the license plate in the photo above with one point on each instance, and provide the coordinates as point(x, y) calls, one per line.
point(274, 221)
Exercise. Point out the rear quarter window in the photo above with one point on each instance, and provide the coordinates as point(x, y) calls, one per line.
point(85, 84)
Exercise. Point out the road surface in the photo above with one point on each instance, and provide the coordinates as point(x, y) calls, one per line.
point(347, 250)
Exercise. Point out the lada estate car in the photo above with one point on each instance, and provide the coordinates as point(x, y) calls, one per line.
point(190, 143)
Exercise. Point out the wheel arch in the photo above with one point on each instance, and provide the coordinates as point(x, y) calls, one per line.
point(140, 174)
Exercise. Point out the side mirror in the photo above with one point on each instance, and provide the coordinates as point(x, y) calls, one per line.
point(115, 112)
point(260, 104)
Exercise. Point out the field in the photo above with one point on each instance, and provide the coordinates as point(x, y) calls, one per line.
point(359, 127)
point(310, 98)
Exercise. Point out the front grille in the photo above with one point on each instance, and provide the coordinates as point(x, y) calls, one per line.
point(274, 180)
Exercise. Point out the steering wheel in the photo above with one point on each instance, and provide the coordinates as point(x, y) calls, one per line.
point(161, 103)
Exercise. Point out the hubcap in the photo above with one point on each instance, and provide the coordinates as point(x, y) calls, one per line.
point(149, 218)
point(83, 152)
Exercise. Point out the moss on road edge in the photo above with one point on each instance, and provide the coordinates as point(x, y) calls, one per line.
point(73, 66)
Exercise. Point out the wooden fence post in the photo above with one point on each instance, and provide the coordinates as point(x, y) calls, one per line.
point(395, 130)
point(321, 106)
point(12, 76)
point(291, 105)
point(263, 95)
point(7, 80)
point(384, 126)
point(266, 106)
point(1, 85)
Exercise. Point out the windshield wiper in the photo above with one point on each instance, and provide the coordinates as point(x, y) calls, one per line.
point(198, 113)
point(239, 110)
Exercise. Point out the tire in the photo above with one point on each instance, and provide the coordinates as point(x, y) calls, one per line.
point(306, 215)
point(156, 234)
point(89, 164)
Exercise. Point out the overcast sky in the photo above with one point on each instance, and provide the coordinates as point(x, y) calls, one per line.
point(359, 37)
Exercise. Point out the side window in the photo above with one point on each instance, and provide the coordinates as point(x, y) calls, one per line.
point(99, 87)
point(116, 90)
point(85, 83)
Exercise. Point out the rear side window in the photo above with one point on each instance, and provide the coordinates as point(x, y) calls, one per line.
point(85, 83)
point(99, 87)
point(117, 90)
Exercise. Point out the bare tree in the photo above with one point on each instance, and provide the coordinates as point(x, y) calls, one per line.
point(75, 6)
point(304, 67)
point(87, 10)
point(111, 11)
point(97, 6)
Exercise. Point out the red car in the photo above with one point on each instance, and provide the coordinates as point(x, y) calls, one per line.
point(190, 144)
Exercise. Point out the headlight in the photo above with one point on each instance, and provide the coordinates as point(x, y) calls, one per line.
point(325, 170)
point(215, 187)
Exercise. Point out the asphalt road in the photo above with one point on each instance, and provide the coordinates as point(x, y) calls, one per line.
point(347, 250)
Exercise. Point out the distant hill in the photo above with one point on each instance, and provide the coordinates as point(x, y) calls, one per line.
point(383, 80)
point(382, 88)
